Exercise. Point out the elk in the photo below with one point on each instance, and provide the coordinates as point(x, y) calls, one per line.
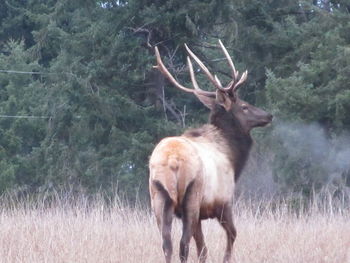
point(193, 175)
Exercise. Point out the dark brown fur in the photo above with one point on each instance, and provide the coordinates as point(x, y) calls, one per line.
point(229, 133)
point(239, 141)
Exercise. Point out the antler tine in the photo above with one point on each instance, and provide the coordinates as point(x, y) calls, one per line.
point(165, 71)
point(232, 85)
point(205, 69)
point(242, 79)
point(193, 78)
point(194, 81)
point(218, 81)
point(230, 62)
point(160, 66)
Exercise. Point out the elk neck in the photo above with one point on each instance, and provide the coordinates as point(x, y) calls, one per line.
point(238, 140)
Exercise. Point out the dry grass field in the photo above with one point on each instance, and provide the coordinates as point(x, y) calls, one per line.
point(83, 231)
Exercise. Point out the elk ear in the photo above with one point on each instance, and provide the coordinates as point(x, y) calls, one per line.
point(224, 100)
point(209, 102)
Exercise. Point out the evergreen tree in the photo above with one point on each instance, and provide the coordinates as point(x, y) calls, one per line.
point(315, 92)
point(99, 97)
point(81, 106)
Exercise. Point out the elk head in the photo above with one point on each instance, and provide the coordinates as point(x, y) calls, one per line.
point(225, 100)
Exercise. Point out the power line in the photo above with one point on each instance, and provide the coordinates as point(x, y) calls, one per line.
point(24, 117)
point(33, 72)
point(23, 72)
point(32, 117)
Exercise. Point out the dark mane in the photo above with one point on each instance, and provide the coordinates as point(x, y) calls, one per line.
point(194, 132)
point(238, 141)
point(225, 130)
point(208, 131)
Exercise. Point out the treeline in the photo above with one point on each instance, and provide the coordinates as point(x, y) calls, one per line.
point(81, 106)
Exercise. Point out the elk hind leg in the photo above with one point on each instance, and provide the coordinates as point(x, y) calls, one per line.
point(166, 230)
point(202, 250)
point(190, 219)
point(164, 211)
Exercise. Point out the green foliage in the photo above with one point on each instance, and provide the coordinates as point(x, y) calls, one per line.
point(98, 122)
point(315, 92)
point(91, 110)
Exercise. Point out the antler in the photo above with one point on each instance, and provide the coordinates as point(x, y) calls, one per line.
point(233, 84)
point(231, 87)
point(214, 80)
point(165, 71)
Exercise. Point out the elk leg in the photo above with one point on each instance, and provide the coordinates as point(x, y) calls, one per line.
point(164, 211)
point(190, 219)
point(226, 221)
point(202, 250)
point(166, 233)
point(185, 239)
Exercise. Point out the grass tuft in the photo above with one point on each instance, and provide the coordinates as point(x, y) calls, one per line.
point(80, 229)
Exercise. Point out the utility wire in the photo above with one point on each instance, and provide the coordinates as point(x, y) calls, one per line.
point(33, 72)
point(24, 117)
point(31, 117)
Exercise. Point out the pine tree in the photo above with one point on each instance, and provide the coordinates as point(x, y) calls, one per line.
point(314, 92)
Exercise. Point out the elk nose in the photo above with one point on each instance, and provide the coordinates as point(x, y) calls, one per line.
point(270, 117)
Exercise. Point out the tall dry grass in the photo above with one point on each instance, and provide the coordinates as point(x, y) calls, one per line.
point(82, 230)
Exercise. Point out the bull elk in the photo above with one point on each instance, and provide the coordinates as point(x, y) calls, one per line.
point(193, 175)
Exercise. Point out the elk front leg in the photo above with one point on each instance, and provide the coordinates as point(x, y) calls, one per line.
point(226, 222)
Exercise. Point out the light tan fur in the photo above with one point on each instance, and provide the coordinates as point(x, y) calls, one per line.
point(177, 161)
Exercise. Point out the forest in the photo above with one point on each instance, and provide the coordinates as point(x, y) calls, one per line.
point(81, 107)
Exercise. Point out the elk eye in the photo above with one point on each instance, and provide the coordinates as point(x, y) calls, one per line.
point(244, 107)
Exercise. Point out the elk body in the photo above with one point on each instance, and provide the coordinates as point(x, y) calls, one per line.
point(193, 175)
